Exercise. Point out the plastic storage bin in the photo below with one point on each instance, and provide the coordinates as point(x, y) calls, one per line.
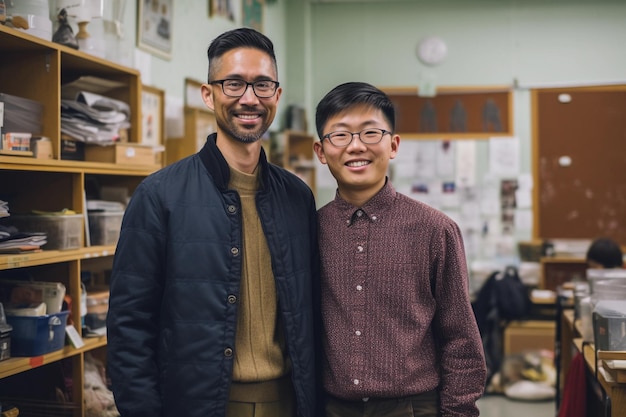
point(63, 231)
point(97, 308)
point(104, 227)
point(34, 336)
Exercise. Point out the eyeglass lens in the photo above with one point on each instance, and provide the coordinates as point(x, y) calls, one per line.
point(367, 136)
point(237, 88)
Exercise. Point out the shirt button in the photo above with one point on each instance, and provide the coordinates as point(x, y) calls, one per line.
point(359, 213)
point(374, 218)
point(232, 299)
point(359, 288)
point(232, 209)
point(348, 221)
point(228, 352)
point(359, 248)
point(358, 333)
point(234, 251)
point(366, 399)
point(356, 382)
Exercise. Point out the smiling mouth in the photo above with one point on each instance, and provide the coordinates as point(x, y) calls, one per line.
point(248, 116)
point(357, 163)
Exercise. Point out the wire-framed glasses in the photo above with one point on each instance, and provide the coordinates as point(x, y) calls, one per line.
point(233, 87)
point(343, 138)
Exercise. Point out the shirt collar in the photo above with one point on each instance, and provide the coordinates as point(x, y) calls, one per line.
point(372, 210)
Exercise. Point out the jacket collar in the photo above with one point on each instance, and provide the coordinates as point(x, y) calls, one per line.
point(216, 164)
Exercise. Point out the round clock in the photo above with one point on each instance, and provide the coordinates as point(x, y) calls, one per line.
point(431, 50)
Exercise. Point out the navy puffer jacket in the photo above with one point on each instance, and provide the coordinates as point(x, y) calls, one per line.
point(175, 282)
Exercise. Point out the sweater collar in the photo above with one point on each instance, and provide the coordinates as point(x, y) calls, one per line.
point(218, 168)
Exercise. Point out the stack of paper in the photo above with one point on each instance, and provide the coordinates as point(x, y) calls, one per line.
point(14, 241)
point(90, 117)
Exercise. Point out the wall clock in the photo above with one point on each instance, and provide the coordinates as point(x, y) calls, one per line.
point(431, 50)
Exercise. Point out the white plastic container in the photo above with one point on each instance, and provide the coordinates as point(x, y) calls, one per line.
point(63, 231)
point(104, 227)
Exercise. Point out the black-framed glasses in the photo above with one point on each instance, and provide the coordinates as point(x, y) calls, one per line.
point(233, 87)
point(343, 138)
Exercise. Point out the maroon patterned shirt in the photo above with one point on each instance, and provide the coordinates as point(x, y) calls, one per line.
point(395, 304)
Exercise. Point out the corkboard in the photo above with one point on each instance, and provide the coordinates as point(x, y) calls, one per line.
point(587, 127)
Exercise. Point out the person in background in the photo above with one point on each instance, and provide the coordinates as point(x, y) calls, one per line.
point(211, 308)
point(605, 253)
point(399, 334)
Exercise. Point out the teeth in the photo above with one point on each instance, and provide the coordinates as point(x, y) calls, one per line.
point(247, 116)
point(357, 163)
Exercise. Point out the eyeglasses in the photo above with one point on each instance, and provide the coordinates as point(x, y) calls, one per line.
point(237, 88)
point(343, 138)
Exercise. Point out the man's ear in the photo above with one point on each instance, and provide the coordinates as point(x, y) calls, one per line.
point(207, 96)
point(319, 151)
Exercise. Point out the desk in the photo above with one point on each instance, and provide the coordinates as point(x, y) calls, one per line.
point(570, 341)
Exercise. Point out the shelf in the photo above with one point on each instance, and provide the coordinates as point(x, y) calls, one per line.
point(13, 366)
point(55, 165)
point(23, 260)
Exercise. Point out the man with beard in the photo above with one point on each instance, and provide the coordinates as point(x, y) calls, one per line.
point(211, 310)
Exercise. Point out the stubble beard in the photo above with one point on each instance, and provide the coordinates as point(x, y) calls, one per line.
point(243, 135)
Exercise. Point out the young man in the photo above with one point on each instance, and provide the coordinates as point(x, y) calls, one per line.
point(400, 336)
point(211, 304)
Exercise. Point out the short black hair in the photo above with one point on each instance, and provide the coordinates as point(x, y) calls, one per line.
point(606, 252)
point(239, 38)
point(351, 94)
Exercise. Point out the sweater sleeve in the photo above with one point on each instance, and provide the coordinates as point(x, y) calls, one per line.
point(463, 369)
point(132, 319)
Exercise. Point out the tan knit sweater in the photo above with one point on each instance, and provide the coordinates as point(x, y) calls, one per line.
point(259, 343)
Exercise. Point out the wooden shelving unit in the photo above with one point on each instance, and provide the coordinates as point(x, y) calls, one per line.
point(199, 123)
point(35, 69)
point(294, 151)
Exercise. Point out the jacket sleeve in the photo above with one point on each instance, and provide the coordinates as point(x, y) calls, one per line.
point(463, 369)
point(134, 306)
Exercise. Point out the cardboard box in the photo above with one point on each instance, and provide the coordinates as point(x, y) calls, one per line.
point(41, 147)
point(16, 141)
point(121, 153)
point(523, 336)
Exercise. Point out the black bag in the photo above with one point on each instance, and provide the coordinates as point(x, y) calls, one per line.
point(511, 295)
point(503, 297)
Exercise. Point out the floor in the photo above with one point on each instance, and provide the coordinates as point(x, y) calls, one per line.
point(501, 406)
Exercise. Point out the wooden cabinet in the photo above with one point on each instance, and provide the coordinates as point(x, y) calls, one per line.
point(35, 69)
point(559, 270)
